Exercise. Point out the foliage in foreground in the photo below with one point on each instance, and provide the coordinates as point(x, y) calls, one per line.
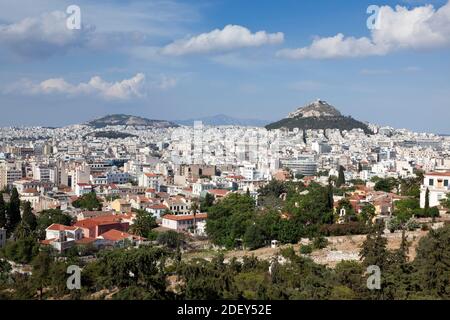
point(156, 273)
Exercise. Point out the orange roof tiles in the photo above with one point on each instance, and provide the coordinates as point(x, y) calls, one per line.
point(60, 227)
point(185, 217)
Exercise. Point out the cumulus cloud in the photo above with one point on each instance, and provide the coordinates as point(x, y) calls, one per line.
point(42, 36)
point(120, 90)
point(422, 27)
point(230, 37)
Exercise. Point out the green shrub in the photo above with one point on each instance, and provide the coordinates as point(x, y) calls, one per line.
point(306, 249)
point(320, 243)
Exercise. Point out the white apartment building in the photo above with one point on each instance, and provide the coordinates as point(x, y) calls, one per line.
point(151, 180)
point(438, 183)
point(199, 187)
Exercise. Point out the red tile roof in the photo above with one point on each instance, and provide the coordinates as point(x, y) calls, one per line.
point(439, 174)
point(115, 235)
point(85, 240)
point(185, 217)
point(158, 206)
point(219, 192)
point(60, 227)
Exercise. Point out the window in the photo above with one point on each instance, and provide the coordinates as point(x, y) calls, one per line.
point(445, 183)
point(431, 182)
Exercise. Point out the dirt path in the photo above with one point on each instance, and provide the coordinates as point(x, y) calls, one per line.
point(338, 249)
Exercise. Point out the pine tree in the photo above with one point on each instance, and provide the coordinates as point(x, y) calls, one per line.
point(28, 217)
point(2, 212)
point(341, 178)
point(13, 216)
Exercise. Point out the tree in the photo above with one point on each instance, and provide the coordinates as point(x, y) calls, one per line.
point(341, 177)
point(143, 224)
point(48, 217)
point(385, 185)
point(368, 212)
point(28, 217)
point(330, 199)
point(432, 263)
point(253, 237)
point(13, 216)
point(446, 202)
point(427, 200)
point(22, 250)
point(170, 239)
point(2, 211)
point(207, 202)
point(194, 209)
point(374, 248)
point(88, 201)
point(229, 218)
point(40, 277)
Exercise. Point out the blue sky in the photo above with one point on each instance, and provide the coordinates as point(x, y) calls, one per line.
point(250, 59)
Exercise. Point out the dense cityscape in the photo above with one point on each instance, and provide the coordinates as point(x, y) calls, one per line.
point(224, 158)
point(204, 195)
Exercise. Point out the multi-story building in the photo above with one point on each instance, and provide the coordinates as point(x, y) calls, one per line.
point(9, 172)
point(305, 165)
point(438, 184)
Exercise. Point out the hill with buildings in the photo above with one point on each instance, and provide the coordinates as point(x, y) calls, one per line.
point(127, 120)
point(318, 115)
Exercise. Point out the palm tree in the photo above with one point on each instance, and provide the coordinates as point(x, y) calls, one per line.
point(194, 208)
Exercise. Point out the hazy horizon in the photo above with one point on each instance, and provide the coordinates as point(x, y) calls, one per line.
point(176, 60)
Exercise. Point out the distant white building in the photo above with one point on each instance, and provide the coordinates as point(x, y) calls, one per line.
point(438, 183)
point(151, 180)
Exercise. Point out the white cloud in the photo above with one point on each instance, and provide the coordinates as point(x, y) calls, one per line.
point(120, 90)
point(419, 28)
point(333, 47)
point(42, 36)
point(230, 37)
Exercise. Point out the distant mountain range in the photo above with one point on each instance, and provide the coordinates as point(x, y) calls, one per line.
point(127, 120)
point(318, 115)
point(224, 120)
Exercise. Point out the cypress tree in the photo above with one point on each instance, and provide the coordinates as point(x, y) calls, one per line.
point(28, 217)
point(427, 200)
point(330, 201)
point(2, 212)
point(341, 178)
point(13, 214)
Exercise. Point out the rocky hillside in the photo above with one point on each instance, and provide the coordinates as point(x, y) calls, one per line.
point(127, 120)
point(316, 116)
